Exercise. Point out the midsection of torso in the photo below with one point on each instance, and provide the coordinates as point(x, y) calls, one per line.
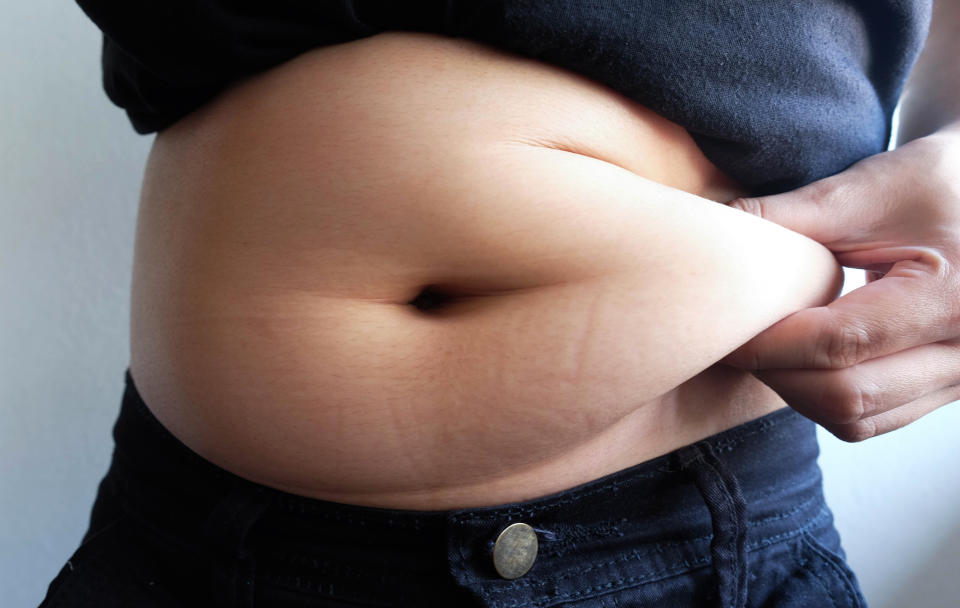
point(590, 278)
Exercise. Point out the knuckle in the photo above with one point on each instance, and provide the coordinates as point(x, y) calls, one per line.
point(823, 192)
point(843, 345)
point(855, 432)
point(753, 206)
point(830, 193)
point(847, 402)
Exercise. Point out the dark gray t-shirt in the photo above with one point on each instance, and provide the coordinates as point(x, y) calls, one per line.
point(777, 93)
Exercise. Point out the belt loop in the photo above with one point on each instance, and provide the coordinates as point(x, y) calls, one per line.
point(724, 498)
point(225, 532)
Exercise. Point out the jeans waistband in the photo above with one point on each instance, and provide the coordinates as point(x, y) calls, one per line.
point(744, 488)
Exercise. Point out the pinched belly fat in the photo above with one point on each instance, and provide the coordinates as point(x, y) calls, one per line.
point(412, 271)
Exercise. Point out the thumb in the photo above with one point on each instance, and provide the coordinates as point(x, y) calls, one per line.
point(827, 210)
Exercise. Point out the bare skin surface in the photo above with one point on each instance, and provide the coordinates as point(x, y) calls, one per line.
point(588, 278)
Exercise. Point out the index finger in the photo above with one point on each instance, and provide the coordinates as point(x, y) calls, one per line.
point(906, 308)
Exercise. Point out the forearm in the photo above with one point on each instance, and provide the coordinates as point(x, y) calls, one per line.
point(931, 97)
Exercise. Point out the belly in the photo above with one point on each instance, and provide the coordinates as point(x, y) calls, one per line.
point(418, 272)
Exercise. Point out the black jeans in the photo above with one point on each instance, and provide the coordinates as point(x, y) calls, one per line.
point(737, 519)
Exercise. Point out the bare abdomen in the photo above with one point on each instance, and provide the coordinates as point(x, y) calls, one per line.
point(417, 272)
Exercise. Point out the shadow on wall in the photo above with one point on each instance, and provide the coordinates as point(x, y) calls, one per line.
point(935, 583)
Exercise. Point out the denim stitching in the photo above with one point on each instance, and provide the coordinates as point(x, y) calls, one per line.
point(635, 555)
point(814, 476)
point(660, 547)
point(728, 445)
point(785, 514)
point(727, 510)
point(632, 556)
point(553, 503)
point(771, 540)
point(625, 581)
point(840, 572)
point(300, 505)
point(816, 570)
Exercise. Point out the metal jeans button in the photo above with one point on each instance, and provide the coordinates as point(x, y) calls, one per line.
point(515, 550)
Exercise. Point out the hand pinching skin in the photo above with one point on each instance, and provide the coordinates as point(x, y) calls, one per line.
point(887, 353)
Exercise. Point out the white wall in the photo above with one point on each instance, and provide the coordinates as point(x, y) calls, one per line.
point(70, 171)
point(70, 168)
